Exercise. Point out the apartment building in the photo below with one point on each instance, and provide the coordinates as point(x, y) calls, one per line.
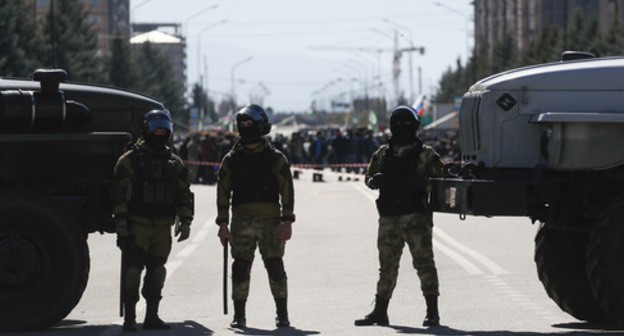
point(523, 19)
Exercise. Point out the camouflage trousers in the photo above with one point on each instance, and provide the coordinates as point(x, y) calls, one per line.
point(148, 247)
point(246, 236)
point(415, 230)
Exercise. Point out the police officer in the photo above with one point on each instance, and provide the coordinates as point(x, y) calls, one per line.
point(401, 170)
point(150, 189)
point(253, 177)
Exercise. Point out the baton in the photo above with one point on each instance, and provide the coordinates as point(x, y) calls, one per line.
point(225, 272)
point(122, 278)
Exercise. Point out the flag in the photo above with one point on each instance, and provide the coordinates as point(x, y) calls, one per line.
point(372, 120)
point(419, 105)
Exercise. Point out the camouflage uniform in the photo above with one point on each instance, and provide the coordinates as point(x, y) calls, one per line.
point(401, 222)
point(255, 218)
point(149, 190)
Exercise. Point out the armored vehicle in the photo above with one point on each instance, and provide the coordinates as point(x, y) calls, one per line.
point(59, 143)
point(547, 142)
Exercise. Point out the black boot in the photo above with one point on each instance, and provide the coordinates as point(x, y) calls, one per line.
point(129, 317)
point(152, 321)
point(239, 321)
point(378, 316)
point(282, 313)
point(433, 318)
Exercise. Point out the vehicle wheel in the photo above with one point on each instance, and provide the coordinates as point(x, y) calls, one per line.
point(44, 264)
point(560, 261)
point(605, 260)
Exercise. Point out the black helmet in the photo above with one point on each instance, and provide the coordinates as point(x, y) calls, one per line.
point(404, 123)
point(153, 120)
point(261, 125)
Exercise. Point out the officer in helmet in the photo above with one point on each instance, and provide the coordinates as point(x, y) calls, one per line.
point(255, 181)
point(150, 189)
point(401, 171)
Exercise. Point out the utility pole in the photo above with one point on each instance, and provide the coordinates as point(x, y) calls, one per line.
point(396, 58)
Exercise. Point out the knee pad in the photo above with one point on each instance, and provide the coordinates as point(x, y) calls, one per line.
point(154, 282)
point(153, 262)
point(240, 270)
point(157, 274)
point(275, 268)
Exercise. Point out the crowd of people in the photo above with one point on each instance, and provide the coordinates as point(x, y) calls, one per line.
point(349, 149)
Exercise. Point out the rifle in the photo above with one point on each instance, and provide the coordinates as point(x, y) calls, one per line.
point(225, 271)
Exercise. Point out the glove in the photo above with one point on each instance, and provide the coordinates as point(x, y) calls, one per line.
point(378, 181)
point(224, 234)
point(184, 232)
point(122, 228)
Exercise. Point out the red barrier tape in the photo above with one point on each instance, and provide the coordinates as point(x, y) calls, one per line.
point(305, 165)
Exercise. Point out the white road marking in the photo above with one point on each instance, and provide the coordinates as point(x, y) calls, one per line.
point(485, 261)
point(469, 267)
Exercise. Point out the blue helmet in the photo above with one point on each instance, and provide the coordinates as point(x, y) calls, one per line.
point(153, 120)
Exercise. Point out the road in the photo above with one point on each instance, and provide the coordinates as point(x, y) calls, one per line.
point(487, 276)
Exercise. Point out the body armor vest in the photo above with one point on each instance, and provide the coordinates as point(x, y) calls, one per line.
point(404, 191)
point(153, 189)
point(253, 179)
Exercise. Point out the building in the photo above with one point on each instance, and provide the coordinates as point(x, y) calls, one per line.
point(111, 17)
point(107, 16)
point(170, 45)
point(524, 19)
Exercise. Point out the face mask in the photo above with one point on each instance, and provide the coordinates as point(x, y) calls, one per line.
point(403, 133)
point(157, 142)
point(249, 134)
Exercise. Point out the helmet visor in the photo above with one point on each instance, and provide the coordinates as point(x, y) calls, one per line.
point(153, 124)
point(255, 113)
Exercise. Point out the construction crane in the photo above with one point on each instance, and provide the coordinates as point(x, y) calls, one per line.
point(397, 53)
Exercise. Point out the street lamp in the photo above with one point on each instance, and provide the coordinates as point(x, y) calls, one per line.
point(236, 65)
point(411, 67)
point(137, 6)
point(185, 24)
point(199, 46)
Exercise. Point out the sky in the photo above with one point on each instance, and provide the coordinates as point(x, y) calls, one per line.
point(284, 54)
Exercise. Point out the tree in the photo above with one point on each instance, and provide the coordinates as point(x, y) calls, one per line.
point(158, 81)
point(203, 103)
point(504, 55)
point(21, 46)
point(75, 41)
point(122, 71)
point(546, 47)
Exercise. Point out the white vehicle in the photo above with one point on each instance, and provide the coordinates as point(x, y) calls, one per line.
point(547, 142)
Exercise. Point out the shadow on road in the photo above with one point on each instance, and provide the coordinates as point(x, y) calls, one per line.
point(446, 330)
point(288, 331)
point(77, 327)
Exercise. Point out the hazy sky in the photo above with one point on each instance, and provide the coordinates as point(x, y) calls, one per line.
point(297, 47)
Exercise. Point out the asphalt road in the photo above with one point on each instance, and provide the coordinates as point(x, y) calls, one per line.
point(487, 275)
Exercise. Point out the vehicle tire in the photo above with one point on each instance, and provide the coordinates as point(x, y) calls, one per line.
point(44, 264)
point(560, 261)
point(605, 260)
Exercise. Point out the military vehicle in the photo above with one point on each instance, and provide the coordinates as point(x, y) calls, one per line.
point(59, 143)
point(547, 142)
